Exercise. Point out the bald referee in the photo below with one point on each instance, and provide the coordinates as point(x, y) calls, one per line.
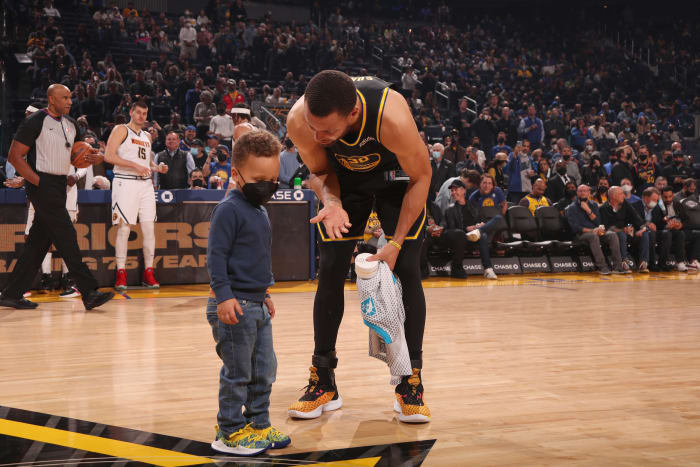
point(45, 138)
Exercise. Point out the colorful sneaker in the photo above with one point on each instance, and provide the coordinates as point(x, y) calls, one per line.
point(69, 293)
point(121, 280)
point(149, 280)
point(409, 401)
point(244, 442)
point(27, 294)
point(276, 438)
point(317, 398)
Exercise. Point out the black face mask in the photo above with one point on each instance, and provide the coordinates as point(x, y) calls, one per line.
point(643, 157)
point(561, 171)
point(198, 183)
point(583, 200)
point(602, 189)
point(501, 140)
point(566, 157)
point(570, 193)
point(259, 193)
point(222, 158)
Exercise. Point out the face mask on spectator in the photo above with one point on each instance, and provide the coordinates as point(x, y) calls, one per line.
point(570, 193)
point(652, 204)
point(194, 151)
point(198, 182)
point(627, 188)
point(602, 189)
point(566, 157)
point(589, 147)
point(221, 157)
point(436, 154)
point(501, 140)
point(259, 193)
point(561, 170)
point(643, 157)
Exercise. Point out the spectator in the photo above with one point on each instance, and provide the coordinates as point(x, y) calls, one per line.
point(192, 98)
point(152, 75)
point(554, 126)
point(600, 197)
point(508, 125)
point(579, 134)
point(589, 151)
point(453, 151)
point(221, 169)
point(678, 172)
point(461, 218)
point(471, 180)
point(222, 126)
point(488, 195)
point(519, 169)
point(532, 128)
point(200, 157)
point(568, 198)
point(203, 19)
point(536, 198)
point(623, 169)
point(688, 190)
point(462, 121)
point(612, 160)
point(543, 169)
point(93, 108)
point(653, 216)
point(500, 146)
point(627, 189)
point(442, 169)
point(646, 170)
point(620, 217)
point(50, 10)
point(572, 169)
point(180, 164)
point(472, 162)
point(188, 42)
point(484, 129)
point(593, 172)
point(197, 180)
point(660, 183)
point(585, 223)
point(203, 113)
point(204, 44)
point(409, 80)
point(496, 167)
point(174, 125)
point(190, 135)
point(673, 222)
point(140, 87)
point(232, 97)
point(289, 163)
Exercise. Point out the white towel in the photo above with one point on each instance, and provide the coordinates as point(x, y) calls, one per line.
point(383, 312)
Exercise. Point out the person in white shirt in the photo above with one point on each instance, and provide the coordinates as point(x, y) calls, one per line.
point(203, 19)
point(276, 97)
point(50, 10)
point(597, 130)
point(222, 125)
point(188, 41)
point(408, 81)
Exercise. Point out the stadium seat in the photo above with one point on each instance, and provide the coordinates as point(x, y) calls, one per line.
point(552, 226)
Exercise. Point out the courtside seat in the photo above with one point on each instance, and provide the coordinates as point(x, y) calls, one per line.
point(551, 226)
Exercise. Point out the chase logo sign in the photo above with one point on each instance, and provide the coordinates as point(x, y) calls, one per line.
point(363, 163)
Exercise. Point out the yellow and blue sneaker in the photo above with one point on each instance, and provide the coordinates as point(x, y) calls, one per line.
point(244, 442)
point(275, 437)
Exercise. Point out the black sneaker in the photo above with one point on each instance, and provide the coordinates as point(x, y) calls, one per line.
point(46, 283)
point(409, 401)
point(65, 283)
point(69, 293)
point(18, 303)
point(96, 298)
point(318, 398)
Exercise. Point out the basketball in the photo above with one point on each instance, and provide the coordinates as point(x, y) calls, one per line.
point(79, 153)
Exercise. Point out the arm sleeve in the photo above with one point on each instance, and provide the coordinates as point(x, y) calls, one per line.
point(29, 129)
point(221, 236)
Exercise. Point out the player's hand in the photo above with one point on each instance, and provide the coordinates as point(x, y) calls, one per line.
point(226, 311)
point(143, 171)
point(270, 307)
point(15, 182)
point(334, 218)
point(71, 180)
point(388, 254)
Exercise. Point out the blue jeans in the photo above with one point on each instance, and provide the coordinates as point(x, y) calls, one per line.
point(249, 368)
point(643, 246)
point(485, 240)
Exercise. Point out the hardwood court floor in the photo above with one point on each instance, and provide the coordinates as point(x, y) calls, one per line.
point(533, 370)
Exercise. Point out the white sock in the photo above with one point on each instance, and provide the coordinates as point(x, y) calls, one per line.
point(64, 268)
point(149, 243)
point(121, 244)
point(46, 264)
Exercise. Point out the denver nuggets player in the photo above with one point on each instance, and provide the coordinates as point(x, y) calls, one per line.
point(133, 198)
point(362, 147)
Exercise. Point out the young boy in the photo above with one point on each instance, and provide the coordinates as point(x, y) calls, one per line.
point(239, 308)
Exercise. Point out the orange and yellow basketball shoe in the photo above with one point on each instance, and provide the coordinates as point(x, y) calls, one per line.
point(318, 397)
point(409, 401)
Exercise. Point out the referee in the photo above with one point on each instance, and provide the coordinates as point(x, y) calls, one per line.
point(46, 139)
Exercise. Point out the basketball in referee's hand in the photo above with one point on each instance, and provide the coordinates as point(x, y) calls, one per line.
point(81, 155)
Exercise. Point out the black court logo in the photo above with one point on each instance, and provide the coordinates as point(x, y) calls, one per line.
point(363, 163)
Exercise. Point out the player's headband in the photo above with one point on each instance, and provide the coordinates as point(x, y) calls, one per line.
point(240, 110)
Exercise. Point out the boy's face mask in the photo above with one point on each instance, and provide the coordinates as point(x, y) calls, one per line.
point(259, 193)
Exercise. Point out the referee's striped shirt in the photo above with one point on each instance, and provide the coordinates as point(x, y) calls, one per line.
point(46, 137)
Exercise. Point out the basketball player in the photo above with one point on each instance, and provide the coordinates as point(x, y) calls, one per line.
point(133, 197)
point(361, 145)
point(241, 120)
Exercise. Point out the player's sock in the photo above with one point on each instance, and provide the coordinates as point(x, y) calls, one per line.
point(64, 268)
point(149, 243)
point(121, 244)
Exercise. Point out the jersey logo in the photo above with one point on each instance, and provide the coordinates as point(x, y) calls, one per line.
point(363, 163)
point(140, 143)
point(487, 202)
point(367, 307)
point(366, 140)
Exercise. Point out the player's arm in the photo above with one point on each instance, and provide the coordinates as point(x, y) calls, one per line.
point(116, 138)
point(399, 135)
point(322, 177)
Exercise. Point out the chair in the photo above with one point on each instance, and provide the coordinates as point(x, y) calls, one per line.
point(552, 226)
point(524, 232)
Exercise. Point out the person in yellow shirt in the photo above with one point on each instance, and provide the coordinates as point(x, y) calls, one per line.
point(536, 198)
point(600, 196)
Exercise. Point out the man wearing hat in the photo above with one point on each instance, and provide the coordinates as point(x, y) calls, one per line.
point(190, 134)
point(233, 97)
